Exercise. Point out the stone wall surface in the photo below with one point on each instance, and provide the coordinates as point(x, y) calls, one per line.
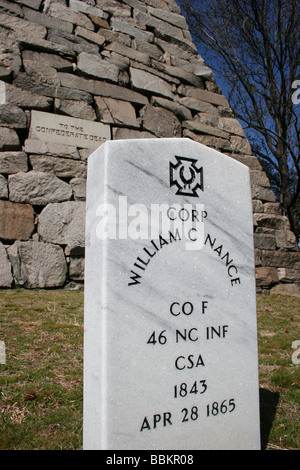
point(76, 73)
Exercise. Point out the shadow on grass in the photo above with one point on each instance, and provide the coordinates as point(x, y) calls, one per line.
point(268, 406)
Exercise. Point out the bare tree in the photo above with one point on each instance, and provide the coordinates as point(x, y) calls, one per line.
point(254, 45)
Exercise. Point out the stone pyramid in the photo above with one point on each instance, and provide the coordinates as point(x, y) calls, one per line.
point(129, 67)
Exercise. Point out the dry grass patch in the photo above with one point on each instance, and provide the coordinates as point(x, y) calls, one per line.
point(278, 327)
point(41, 383)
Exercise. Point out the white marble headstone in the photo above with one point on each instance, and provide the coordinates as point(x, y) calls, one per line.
point(170, 339)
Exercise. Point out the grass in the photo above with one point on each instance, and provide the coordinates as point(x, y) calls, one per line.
point(278, 328)
point(41, 382)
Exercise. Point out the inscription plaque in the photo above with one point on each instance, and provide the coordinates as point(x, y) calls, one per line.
point(68, 130)
point(170, 344)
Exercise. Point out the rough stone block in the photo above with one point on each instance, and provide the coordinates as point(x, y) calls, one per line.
point(173, 18)
point(102, 88)
point(249, 160)
point(183, 43)
point(75, 108)
point(197, 126)
point(272, 221)
point(258, 206)
point(203, 95)
point(9, 139)
point(285, 239)
point(272, 208)
point(112, 111)
point(3, 188)
point(22, 26)
point(6, 277)
point(264, 241)
point(259, 178)
point(286, 289)
point(16, 221)
point(51, 148)
point(41, 71)
point(258, 258)
point(162, 4)
point(92, 65)
point(231, 125)
point(174, 49)
point(179, 73)
point(35, 4)
point(13, 162)
point(208, 140)
point(85, 153)
point(48, 21)
point(69, 14)
point(111, 36)
point(12, 116)
point(287, 275)
point(89, 35)
point(121, 61)
point(79, 188)
point(160, 121)
point(136, 4)
point(266, 276)
point(10, 8)
point(30, 40)
point(181, 111)
point(161, 28)
point(120, 133)
point(31, 84)
point(279, 258)
point(114, 8)
point(193, 65)
point(210, 120)
point(5, 73)
point(170, 79)
point(264, 194)
point(54, 60)
point(63, 224)
point(37, 264)
point(148, 82)
point(152, 50)
point(132, 28)
point(85, 7)
point(10, 94)
point(61, 167)
point(76, 269)
point(240, 145)
point(205, 73)
point(198, 105)
point(38, 188)
point(100, 22)
point(129, 52)
point(71, 42)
